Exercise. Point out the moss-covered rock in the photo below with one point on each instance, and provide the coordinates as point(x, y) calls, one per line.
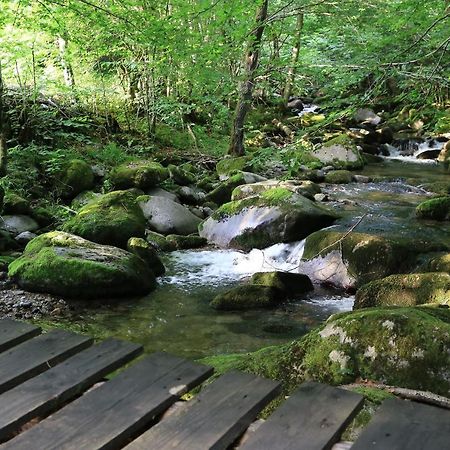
point(292, 284)
point(15, 204)
point(5, 261)
point(354, 259)
point(277, 215)
point(248, 297)
point(110, 219)
point(147, 253)
point(340, 152)
point(405, 290)
point(222, 193)
point(83, 198)
point(67, 265)
point(338, 177)
point(142, 175)
point(227, 166)
point(159, 241)
point(185, 242)
point(407, 347)
point(76, 177)
point(180, 176)
point(440, 264)
point(305, 188)
point(434, 209)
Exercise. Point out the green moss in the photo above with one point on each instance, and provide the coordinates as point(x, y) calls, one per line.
point(147, 253)
point(405, 290)
point(222, 193)
point(159, 241)
point(228, 166)
point(291, 283)
point(111, 219)
point(5, 261)
point(15, 204)
point(339, 177)
point(274, 196)
point(185, 242)
point(434, 209)
point(77, 177)
point(63, 264)
point(180, 176)
point(142, 175)
point(438, 187)
point(440, 264)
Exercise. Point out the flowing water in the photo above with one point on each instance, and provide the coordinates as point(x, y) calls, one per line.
point(177, 317)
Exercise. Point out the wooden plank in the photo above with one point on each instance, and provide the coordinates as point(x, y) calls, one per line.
point(401, 424)
point(51, 389)
point(313, 418)
point(109, 415)
point(215, 418)
point(33, 357)
point(13, 333)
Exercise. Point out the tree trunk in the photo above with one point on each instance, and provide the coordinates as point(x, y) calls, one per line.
point(293, 67)
point(3, 148)
point(69, 78)
point(246, 89)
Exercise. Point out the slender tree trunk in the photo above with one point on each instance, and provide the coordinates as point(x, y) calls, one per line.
point(69, 77)
point(3, 147)
point(246, 89)
point(293, 67)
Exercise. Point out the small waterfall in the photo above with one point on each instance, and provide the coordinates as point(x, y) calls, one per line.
point(413, 150)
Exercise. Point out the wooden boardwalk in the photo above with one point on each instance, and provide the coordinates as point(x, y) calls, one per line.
point(47, 402)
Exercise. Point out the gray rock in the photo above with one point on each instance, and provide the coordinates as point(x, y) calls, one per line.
point(365, 115)
point(361, 179)
point(25, 237)
point(340, 152)
point(192, 195)
point(167, 217)
point(159, 192)
point(18, 224)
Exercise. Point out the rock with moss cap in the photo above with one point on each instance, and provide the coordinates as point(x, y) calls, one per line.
point(228, 166)
point(222, 193)
point(159, 242)
point(15, 204)
point(434, 209)
point(180, 176)
point(142, 175)
point(186, 242)
point(305, 188)
point(405, 290)
point(147, 253)
point(292, 284)
point(247, 297)
point(110, 219)
point(340, 152)
point(338, 177)
point(76, 177)
point(64, 264)
point(277, 215)
point(407, 347)
point(353, 259)
point(440, 263)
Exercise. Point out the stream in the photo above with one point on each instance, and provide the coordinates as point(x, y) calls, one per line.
point(177, 317)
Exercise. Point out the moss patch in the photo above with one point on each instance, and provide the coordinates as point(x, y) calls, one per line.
point(142, 175)
point(434, 209)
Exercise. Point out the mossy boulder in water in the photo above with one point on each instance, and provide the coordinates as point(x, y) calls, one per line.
point(407, 347)
point(159, 242)
point(142, 175)
point(277, 215)
point(340, 152)
point(434, 209)
point(405, 290)
point(64, 264)
point(353, 259)
point(292, 284)
point(306, 188)
point(185, 242)
point(75, 178)
point(110, 219)
point(147, 253)
point(338, 177)
point(246, 297)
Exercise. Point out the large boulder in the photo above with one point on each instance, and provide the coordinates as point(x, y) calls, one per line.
point(405, 290)
point(64, 264)
point(434, 209)
point(110, 219)
point(407, 347)
point(76, 177)
point(222, 193)
point(292, 284)
point(17, 224)
point(305, 188)
point(353, 259)
point(228, 166)
point(340, 152)
point(141, 175)
point(167, 217)
point(367, 116)
point(15, 204)
point(277, 215)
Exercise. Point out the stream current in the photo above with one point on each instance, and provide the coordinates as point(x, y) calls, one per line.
point(177, 318)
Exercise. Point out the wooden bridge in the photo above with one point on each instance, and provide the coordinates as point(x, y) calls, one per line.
point(51, 398)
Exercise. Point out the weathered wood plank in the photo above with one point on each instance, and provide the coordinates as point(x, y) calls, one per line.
point(49, 390)
point(401, 424)
point(215, 418)
point(311, 419)
point(106, 417)
point(32, 357)
point(13, 333)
